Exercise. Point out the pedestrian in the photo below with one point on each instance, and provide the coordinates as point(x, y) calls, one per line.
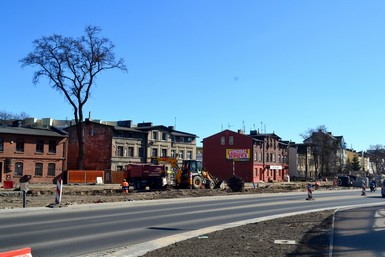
point(310, 192)
point(363, 187)
point(373, 186)
point(125, 186)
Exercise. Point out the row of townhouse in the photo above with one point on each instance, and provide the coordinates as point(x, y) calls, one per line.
point(112, 146)
point(307, 164)
point(44, 149)
point(265, 157)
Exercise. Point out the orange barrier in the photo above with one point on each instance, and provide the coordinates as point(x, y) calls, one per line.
point(25, 252)
point(84, 176)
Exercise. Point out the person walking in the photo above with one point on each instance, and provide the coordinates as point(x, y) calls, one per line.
point(125, 186)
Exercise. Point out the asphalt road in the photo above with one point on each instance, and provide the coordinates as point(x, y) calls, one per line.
point(73, 231)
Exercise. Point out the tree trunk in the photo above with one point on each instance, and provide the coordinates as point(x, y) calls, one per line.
point(80, 159)
point(79, 129)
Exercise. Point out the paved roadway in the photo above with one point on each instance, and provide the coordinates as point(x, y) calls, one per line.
point(145, 225)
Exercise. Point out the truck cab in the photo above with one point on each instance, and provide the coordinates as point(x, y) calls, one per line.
point(192, 165)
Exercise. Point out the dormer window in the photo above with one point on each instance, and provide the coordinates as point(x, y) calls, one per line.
point(155, 135)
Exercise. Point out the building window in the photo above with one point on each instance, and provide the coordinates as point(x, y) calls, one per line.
point(267, 157)
point(18, 169)
point(39, 169)
point(40, 146)
point(231, 140)
point(131, 151)
point(223, 140)
point(164, 152)
point(19, 146)
point(155, 135)
point(51, 169)
point(52, 146)
point(173, 153)
point(164, 136)
point(120, 151)
point(181, 154)
point(260, 157)
point(154, 152)
point(1, 144)
point(140, 152)
point(119, 168)
point(189, 155)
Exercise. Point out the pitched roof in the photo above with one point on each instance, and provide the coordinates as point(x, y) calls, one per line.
point(33, 131)
point(119, 128)
point(162, 127)
point(261, 136)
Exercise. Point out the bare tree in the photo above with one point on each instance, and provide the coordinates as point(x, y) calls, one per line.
point(323, 148)
point(377, 157)
point(6, 118)
point(71, 66)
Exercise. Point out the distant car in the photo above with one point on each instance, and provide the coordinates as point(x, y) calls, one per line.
point(383, 188)
point(345, 181)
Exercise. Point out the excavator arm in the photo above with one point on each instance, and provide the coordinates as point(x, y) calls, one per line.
point(173, 162)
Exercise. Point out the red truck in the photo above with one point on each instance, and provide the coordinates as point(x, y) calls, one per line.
point(153, 176)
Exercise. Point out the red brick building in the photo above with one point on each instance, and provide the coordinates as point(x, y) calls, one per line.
point(254, 157)
point(36, 151)
point(107, 147)
point(97, 146)
point(112, 147)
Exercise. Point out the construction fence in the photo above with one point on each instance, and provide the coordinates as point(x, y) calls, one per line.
point(94, 177)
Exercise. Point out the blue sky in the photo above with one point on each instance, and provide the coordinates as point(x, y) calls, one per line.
point(207, 65)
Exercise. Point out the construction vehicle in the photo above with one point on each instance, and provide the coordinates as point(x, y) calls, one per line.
point(142, 175)
point(191, 173)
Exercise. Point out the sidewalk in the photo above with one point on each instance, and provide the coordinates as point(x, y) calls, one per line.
point(359, 232)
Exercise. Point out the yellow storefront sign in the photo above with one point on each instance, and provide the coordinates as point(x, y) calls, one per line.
point(238, 154)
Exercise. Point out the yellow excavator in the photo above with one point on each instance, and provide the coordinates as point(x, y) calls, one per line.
point(191, 173)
